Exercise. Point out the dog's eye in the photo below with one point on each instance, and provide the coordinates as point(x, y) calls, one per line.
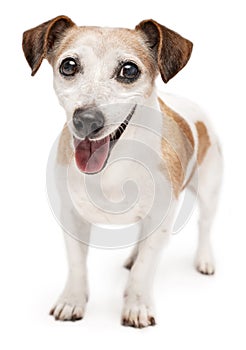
point(128, 73)
point(69, 67)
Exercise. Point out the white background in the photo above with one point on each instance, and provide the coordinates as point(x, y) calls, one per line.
point(193, 311)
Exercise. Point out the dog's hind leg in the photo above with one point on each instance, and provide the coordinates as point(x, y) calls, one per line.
point(209, 183)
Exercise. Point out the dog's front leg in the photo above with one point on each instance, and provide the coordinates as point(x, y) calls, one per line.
point(138, 309)
point(72, 302)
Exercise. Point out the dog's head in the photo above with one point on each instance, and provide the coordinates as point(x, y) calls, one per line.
point(101, 74)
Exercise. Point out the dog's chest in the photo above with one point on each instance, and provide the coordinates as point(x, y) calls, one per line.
point(133, 182)
point(125, 190)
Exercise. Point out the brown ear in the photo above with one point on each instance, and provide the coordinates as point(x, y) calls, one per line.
point(38, 42)
point(171, 50)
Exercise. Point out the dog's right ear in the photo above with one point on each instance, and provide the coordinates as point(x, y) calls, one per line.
point(40, 41)
point(170, 50)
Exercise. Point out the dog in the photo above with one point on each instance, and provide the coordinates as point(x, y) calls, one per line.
point(105, 80)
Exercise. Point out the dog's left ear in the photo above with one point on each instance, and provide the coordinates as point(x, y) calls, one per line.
point(170, 49)
point(40, 41)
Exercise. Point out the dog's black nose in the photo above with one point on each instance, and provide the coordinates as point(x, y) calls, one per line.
point(88, 122)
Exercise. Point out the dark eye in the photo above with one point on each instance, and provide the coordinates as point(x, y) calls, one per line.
point(128, 73)
point(69, 67)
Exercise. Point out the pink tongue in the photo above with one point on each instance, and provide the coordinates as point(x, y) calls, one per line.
point(90, 155)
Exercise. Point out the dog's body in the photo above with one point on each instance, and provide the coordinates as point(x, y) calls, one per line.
point(111, 74)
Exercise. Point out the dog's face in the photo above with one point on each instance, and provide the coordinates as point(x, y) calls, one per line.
point(105, 71)
point(101, 75)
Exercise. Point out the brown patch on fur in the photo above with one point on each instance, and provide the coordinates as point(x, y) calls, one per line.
point(203, 141)
point(183, 125)
point(65, 150)
point(203, 145)
point(177, 146)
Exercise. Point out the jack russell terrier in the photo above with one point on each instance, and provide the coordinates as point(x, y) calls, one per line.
point(105, 80)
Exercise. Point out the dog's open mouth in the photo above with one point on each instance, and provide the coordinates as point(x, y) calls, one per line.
point(91, 155)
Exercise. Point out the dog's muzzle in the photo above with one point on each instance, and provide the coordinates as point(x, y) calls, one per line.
point(91, 153)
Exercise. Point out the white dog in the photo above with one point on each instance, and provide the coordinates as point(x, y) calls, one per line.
point(105, 80)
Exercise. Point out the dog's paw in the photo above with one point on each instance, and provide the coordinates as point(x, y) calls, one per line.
point(137, 314)
point(69, 308)
point(205, 267)
point(204, 263)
